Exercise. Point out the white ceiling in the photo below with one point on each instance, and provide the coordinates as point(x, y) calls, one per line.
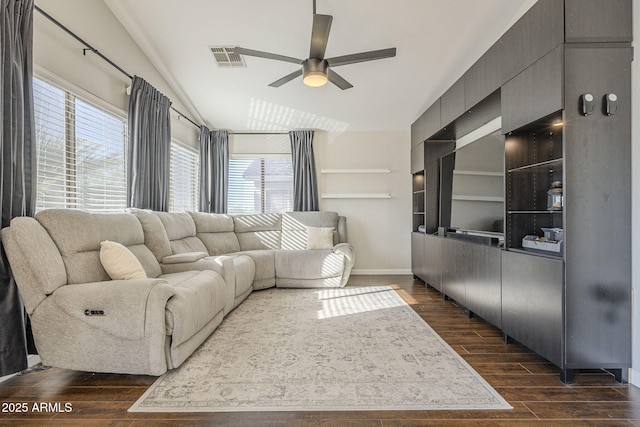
point(436, 41)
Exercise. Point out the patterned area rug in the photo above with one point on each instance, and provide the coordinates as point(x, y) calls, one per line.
point(322, 350)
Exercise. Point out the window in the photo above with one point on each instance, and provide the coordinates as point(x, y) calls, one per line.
point(80, 152)
point(184, 179)
point(260, 185)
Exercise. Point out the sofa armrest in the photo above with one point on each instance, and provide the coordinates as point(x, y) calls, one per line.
point(120, 307)
point(342, 229)
point(184, 257)
point(223, 265)
point(346, 249)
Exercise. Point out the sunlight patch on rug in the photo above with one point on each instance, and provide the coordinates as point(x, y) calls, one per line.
point(322, 350)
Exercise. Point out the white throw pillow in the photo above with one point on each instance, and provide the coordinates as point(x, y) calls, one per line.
point(319, 237)
point(119, 262)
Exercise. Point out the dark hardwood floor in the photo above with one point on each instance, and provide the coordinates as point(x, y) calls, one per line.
point(530, 384)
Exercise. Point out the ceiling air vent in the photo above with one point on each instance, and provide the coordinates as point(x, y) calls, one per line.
point(225, 57)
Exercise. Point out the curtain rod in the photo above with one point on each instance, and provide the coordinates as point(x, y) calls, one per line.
point(94, 50)
point(258, 133)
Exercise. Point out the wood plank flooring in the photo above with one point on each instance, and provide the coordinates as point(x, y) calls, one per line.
point(530, 384)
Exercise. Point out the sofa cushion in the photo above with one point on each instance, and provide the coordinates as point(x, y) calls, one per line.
point(35, 260)
point(216, 232)
point(320, 237)
point(258, 231)
point(78, 234)
point(119, 262)
point(294, 227)
point(155, 236)
point(265, 268)
point(199, 297)
point(181, 231)
point(318, 264)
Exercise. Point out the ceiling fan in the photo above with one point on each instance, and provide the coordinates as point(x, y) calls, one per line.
point(317, 70)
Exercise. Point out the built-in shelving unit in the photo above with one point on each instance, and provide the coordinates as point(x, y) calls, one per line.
point(418, 201)
point(534, 161)
point(574, 307)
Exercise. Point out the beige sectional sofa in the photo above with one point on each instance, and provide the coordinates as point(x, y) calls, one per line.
point(198, 267)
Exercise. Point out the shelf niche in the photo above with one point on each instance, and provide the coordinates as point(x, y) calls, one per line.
point(534, 160)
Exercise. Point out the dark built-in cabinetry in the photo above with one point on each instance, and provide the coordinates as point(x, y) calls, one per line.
point(552, 74)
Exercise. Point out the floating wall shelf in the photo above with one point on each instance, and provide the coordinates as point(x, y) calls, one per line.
point(478, 198)
point(477, 173)
point(357, 196)
point(355, 171)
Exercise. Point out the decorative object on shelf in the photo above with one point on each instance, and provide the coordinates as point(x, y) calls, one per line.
point(555, 201)
point(551, 242)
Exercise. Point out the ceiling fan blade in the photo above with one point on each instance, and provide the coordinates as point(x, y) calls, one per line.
point(320, 35)
point(286, 78)
point(337, 80)
point(261, 54)
point(362, 57)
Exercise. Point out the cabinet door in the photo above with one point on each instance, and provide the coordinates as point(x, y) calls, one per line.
point(415, 132)
point(417, 158)
point(433, 259)
point(535, 93)
point(532, 301)
point(484, 282)
point(417, 255)
point(598, 21)
point(484, 77)
point(537, 33)
point(452, 103)
point(431, 121)
point(454, 274)
point(426, 125)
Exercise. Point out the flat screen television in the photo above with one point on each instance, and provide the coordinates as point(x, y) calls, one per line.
point(472, 186)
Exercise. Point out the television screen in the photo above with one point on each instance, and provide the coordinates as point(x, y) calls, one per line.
point(472, 184)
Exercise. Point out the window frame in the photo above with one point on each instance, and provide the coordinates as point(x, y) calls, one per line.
point(72, 94)
point(264, 190)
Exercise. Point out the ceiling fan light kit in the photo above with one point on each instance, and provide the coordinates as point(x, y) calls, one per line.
point(315, 70)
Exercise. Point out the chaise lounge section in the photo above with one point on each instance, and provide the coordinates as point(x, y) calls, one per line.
point(196, 267)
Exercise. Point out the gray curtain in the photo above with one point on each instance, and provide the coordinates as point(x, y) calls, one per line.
point(17, 140)
point(214, 170)
point(305, 182)
point(149, 152)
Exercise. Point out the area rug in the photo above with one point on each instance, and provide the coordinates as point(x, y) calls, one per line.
point(322, 350)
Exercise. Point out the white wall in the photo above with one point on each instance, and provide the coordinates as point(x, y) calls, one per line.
point(58, 53)
point(379, 229)
point(635, 199)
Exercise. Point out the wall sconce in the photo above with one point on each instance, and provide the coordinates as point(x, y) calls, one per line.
point(587, 104)
point(610, 104)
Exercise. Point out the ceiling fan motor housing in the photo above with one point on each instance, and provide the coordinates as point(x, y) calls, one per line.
point(314, 72)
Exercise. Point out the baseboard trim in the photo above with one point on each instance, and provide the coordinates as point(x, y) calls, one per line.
point(32, 360)
point(379, 272)
point(634, 377)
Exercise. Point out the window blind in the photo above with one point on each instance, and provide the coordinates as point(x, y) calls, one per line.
point(80, 152)
point(260, 185)
point(184, 179)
